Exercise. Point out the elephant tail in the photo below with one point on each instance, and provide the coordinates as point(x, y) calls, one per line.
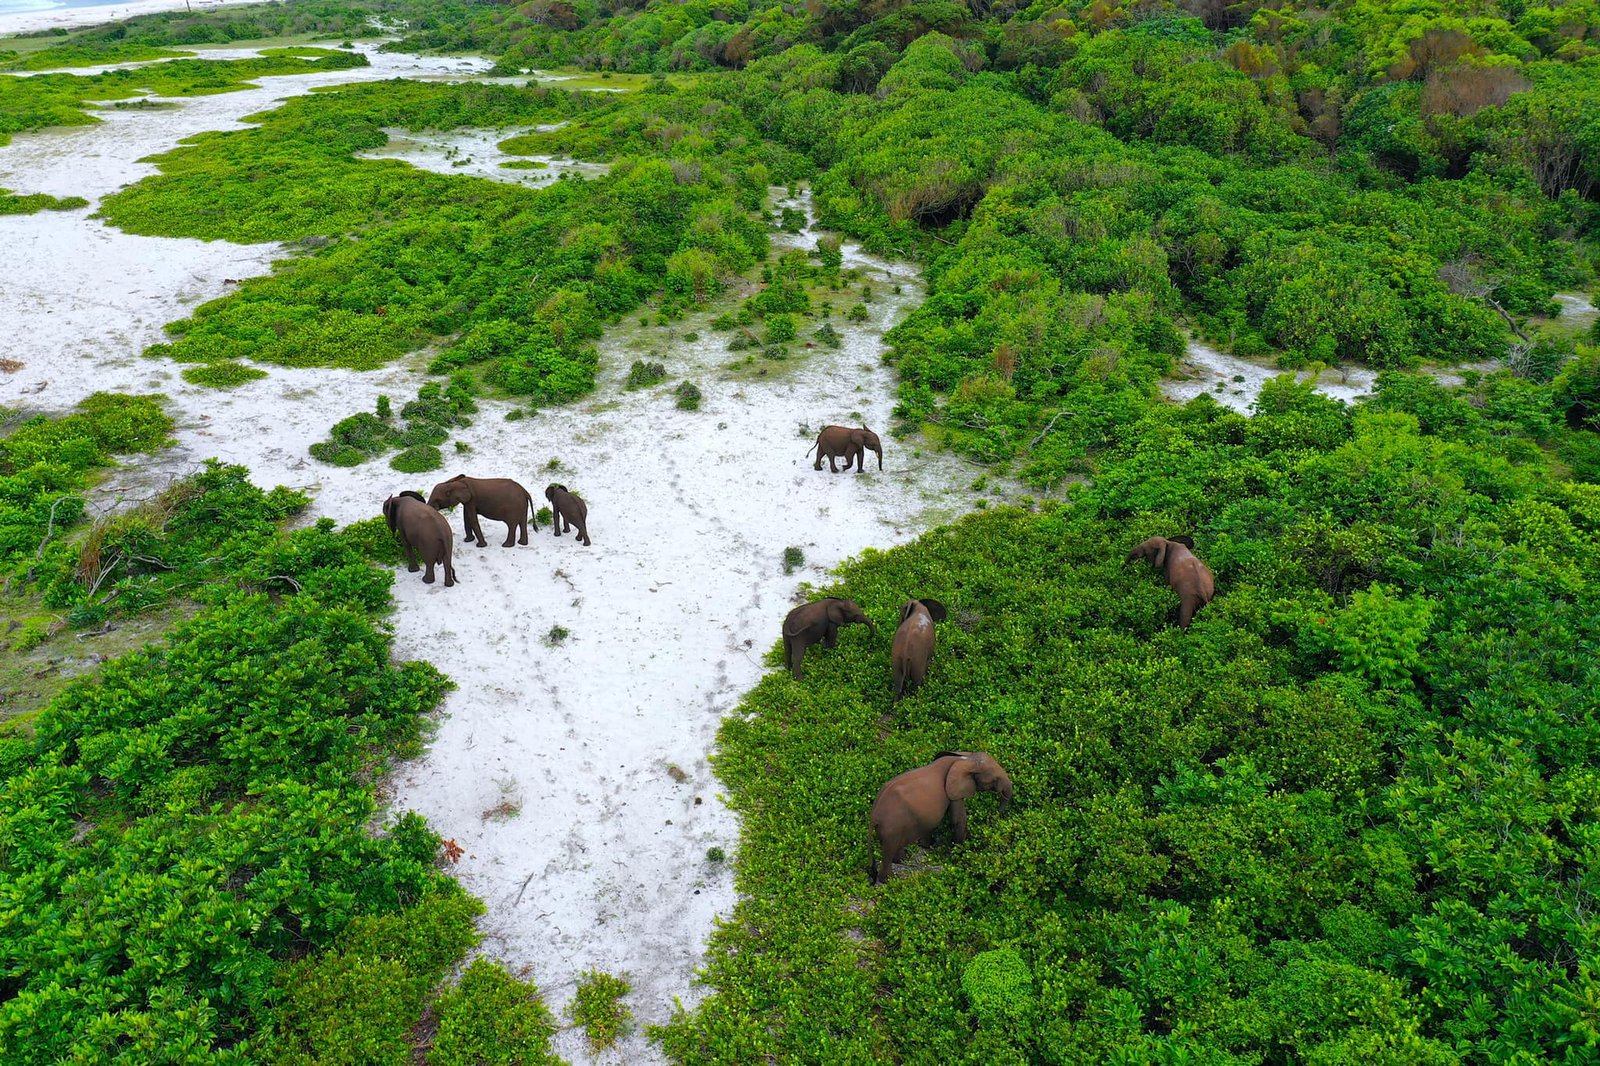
point(533, 510)
point(814, 446)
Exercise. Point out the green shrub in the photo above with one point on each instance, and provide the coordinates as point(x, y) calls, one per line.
point(597, 1006)
point(793, 559)
point(999, 986)
point(643, 374)
point(224, 375)
point(688, 396)
point(418, 459)
point(491, 1018)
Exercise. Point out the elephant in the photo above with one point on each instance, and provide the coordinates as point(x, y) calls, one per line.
point(568, 507)
point(850, 443)
point(811, 622)
point(1188, 576)
point(912, 805)
point(498, 499)
point(422, 529)
point(913, 644)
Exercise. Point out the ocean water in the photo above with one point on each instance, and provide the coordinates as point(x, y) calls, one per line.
point(17, 7)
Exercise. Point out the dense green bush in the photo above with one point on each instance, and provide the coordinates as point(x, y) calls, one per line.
point(1342, 818)
point(597, 1006)
point(45, 464)
point(491, 1018)
point(195, 815)
point(224, 375)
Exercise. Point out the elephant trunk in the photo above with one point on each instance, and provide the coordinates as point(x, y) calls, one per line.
point(870, 627)
point(1005, 796)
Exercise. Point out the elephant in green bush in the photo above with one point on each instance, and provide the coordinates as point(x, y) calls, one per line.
point(1188, 576)
point(498, 499)
point(811, 622)
point(911, 806)
point(422, 530)
point(913, 644)
point(849, 443)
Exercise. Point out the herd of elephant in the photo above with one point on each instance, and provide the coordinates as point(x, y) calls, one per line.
point(913, 804)
point(426, 536)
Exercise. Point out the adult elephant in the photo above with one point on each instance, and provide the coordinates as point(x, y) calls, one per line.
point(847, 443)
point(498, 499)
point(1187, 575)
point(568, 507)
point(913, 644)
point(819, 620)
point(911, 806)
point(423, 531)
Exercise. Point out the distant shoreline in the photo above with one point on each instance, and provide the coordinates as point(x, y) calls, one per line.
point(94, 12)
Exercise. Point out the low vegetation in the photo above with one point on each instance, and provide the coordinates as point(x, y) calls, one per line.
point(597, 1006)
point(1342, 818)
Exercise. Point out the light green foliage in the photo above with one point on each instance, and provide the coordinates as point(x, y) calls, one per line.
point(521, 279)
point(356, 1002)
point(491, 1018)
point(45, 100)
point(224, 375)
point(597, 1006)
point(793, 559)
point(14, 204)
point(418, 459)
point(1000, 989)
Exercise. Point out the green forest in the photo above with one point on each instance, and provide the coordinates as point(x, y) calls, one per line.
point(1351, 815)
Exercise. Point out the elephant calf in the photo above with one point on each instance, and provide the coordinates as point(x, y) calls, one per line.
point(498, 499)
point(913, 644)
point(1188, 576)
point(811, 622)
point(422, 529)
point(569, 508)
point(911, 806)
point(849, 443)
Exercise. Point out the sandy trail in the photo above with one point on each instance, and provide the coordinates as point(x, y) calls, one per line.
point(597, 745)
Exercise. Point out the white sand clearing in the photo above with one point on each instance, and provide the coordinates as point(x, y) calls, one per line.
point(593, 749)
point(1235, 382)
point(476, 152)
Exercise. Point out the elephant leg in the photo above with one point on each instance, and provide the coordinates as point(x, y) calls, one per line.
point(474, 530)
point(830, 636)
point(899, 679)
point(511, 536)
point(522, 530)
point(411, 558)
point(958, 819)
point(832, 467)
point(449, 570)
point(1187, 606)
point(818, 464)
point(427, 579)
point(861, 460)
point(583, 533)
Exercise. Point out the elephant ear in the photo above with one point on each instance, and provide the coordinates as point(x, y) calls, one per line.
point(1187, 542)
point(936, 609)
point(857, 437)
point(958, 783)
point(458, 477)
point(836, 612)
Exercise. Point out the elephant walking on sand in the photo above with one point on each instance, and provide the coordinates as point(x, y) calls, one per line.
point(423, 530)
point(911, 806)
point(913, 644)
point(1188, 576)
point(850, 444)
point(569, 508)
point(498, 499)
point(811, 622)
